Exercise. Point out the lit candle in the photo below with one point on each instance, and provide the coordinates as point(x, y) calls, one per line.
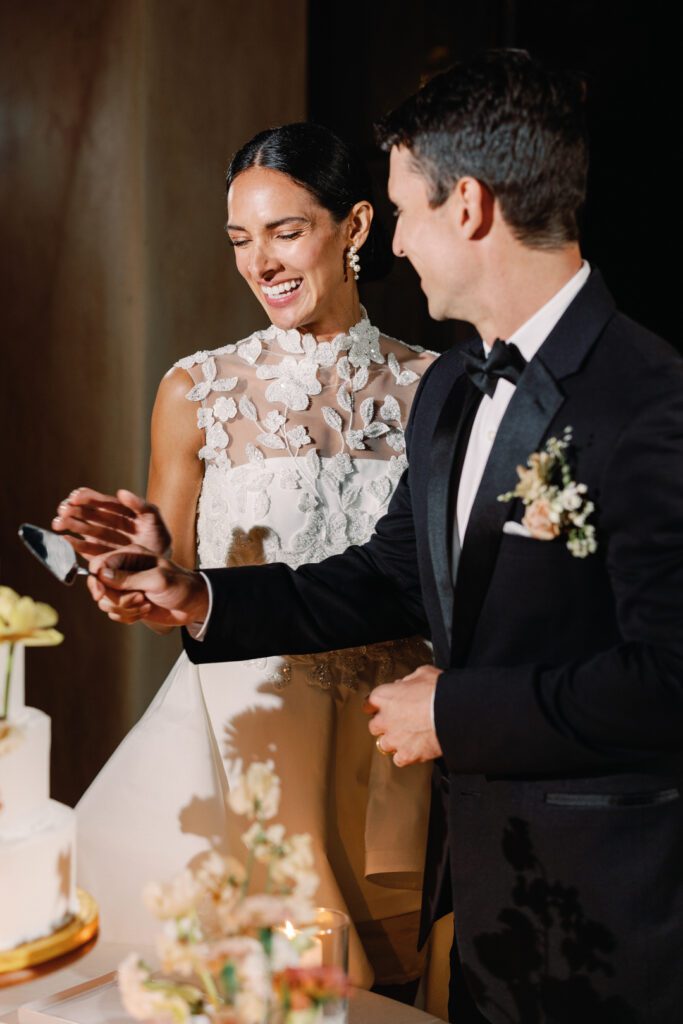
point(312, 954)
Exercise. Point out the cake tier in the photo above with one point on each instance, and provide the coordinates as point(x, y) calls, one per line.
point(24, 772)
point(37, 878)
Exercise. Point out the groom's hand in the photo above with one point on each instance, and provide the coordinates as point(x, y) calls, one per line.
point(133, 585)
point(402, 717)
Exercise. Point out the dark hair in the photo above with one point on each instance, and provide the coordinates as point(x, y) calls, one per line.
point(329, 169)
point(515, 127)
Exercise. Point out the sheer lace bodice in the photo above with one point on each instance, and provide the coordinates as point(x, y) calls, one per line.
point(302, 441)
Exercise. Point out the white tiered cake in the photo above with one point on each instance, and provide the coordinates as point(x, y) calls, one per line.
point(37, 835)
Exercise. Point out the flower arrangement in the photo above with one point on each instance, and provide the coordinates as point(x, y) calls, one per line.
point(22, 621)
point(555, 504)
point(230, 955)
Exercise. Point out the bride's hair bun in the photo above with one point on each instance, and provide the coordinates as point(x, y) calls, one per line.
point(329, 169)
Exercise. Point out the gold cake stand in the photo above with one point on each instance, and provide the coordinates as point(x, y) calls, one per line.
point(30, 960)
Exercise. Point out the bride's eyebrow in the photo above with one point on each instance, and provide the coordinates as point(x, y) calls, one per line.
point(272, 225)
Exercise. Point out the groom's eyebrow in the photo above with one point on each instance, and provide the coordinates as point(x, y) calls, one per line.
point(272, 225)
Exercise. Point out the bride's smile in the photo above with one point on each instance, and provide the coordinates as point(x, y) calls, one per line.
point(293, 253)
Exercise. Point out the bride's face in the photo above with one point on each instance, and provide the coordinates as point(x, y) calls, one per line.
point(289, 250)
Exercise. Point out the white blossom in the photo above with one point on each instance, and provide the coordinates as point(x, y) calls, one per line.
point(204, 417)
point(293, 382)
point(307, 502)
point(147, 1004)
point(398, 464)
point(298, 437)
point(341, 466)
point(216, 436)
point(189, 361)
point(273, 421)
point(173, 899)
point(390, 409)
point(364, 347)
point(396, 440)
point(225, 408)
point(256, 794)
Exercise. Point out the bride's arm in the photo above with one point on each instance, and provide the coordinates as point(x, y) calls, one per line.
point(175, 472)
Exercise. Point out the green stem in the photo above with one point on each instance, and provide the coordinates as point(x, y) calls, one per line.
point(209, 985)
point(251, 860)
point(8, 680)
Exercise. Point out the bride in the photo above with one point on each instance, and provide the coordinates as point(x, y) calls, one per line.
point(285, 446)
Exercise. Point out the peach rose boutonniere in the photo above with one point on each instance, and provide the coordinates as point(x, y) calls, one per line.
point(555, 504)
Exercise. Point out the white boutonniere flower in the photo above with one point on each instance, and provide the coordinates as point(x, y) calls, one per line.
point(555, 504)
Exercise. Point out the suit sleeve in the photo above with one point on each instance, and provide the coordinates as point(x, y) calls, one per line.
point(367, 594)
point(626, 703)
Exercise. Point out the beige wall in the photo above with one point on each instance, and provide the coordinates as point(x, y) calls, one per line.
point(117, 119)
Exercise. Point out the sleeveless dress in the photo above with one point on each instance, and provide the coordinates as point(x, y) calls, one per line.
point(302, 443)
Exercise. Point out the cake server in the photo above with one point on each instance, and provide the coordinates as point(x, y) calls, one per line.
point(54, 551)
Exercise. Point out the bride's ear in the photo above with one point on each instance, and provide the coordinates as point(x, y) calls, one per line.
point(359, 221)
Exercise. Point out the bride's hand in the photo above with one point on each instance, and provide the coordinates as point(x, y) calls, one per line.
point(104, 522)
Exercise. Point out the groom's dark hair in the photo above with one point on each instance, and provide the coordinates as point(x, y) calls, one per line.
point(511, 124)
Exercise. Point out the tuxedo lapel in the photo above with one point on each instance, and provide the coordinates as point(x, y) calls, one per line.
point(533, 406)
point(454, 415)
point(537, 399)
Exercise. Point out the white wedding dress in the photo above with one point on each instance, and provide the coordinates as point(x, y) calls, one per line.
point(303, 447)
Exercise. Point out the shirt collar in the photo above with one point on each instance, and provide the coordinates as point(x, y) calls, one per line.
point(530, 336)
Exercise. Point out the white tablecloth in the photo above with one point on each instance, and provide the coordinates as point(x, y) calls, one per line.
point(365, 1008)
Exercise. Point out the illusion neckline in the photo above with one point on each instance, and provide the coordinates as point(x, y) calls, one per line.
point(294, 334)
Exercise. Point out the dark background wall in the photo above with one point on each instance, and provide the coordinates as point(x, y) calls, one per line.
point(117, 118)
point(365, 57)
point(117, 121)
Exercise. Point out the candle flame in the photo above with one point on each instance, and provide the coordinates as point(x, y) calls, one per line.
point(290, 930)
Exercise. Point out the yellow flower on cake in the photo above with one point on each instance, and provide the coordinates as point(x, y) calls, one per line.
point(22, 621)
point(25, 621)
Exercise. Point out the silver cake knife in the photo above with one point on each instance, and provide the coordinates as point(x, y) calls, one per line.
point(54, 551)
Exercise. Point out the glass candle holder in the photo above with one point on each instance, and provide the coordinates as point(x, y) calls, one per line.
point(317, 986)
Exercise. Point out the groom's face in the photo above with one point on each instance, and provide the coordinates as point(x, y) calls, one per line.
point(427, 236)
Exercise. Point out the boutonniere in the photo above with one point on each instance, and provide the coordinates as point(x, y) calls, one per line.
point(555, 504)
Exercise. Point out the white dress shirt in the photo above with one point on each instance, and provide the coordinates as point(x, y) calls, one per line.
point(528, 338)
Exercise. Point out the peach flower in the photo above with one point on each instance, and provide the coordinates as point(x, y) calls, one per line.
point(538, 522)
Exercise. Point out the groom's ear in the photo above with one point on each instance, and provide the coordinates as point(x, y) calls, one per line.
point(472, 207)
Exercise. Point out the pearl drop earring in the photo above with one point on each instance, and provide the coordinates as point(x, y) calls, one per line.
point(354, 261)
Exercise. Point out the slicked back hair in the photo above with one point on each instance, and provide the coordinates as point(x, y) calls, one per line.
point(329, 169)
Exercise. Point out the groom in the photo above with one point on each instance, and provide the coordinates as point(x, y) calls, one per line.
point(554, 714)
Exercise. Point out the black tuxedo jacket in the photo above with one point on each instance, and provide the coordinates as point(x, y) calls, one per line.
point(556, 826)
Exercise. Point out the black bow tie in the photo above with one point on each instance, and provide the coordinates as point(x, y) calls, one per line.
point(504, 360)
